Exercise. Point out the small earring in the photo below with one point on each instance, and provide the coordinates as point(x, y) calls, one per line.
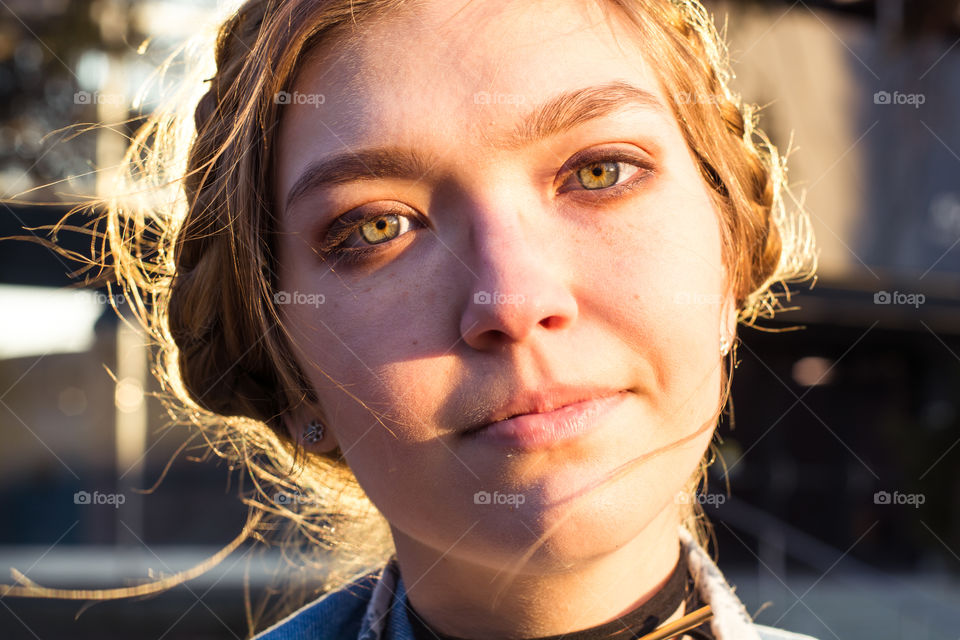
point(724, 345)
point(314, 432)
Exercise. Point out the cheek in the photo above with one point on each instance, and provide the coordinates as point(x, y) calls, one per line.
point(397, 311)
point(398, 459)
point(665, 296)
point(375, 355)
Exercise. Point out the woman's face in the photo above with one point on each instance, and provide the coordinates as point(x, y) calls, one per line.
point(501, 254)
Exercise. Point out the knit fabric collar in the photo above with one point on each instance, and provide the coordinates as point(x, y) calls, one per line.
point(385, 617)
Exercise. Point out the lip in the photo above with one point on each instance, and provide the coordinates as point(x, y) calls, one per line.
point(536, 430)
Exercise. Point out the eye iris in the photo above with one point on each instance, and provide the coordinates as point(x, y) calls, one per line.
point(599, 175)
point(381, 229)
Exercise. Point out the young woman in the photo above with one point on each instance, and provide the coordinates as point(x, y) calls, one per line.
point(465, 278)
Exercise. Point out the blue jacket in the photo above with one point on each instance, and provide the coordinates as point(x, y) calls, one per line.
point(373, 608)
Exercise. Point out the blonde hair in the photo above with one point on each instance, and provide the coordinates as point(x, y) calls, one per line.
point(190, 242)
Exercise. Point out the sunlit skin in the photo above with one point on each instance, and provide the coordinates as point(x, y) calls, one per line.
point(623, 289)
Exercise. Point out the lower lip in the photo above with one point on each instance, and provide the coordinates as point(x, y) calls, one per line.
point(538, 430)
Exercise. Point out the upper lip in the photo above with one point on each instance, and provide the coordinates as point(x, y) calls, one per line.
point(544, 400)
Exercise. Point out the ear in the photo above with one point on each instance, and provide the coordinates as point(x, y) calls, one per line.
point(296, 422)
point(728, 317)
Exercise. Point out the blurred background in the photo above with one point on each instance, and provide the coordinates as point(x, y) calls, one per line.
point(843, 519)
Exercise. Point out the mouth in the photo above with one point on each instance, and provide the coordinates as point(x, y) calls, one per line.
point(558, 422)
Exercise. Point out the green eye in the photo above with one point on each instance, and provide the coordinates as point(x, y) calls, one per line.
point(381, 229)
point(599, 175)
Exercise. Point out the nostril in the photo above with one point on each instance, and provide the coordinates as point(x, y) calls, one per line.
point(552, 322)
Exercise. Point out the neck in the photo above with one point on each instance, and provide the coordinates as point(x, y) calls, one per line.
point(455, 597)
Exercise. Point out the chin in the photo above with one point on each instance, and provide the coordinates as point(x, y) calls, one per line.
point(559, 535)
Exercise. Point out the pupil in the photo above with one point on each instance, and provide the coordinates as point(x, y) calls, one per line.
point(381, 224)
point(597, 171)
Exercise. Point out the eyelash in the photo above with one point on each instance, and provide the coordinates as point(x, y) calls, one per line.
point(333, 243)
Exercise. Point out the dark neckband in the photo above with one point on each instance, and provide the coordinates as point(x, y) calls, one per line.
point(633, 624)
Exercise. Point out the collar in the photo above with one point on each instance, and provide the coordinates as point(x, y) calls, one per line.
point(385, 617)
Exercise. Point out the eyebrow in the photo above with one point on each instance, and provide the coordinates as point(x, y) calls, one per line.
point(556, 115)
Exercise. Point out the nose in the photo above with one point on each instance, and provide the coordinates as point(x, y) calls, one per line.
point(519, 286)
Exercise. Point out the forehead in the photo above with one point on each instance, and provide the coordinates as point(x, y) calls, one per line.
point(449, 70)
